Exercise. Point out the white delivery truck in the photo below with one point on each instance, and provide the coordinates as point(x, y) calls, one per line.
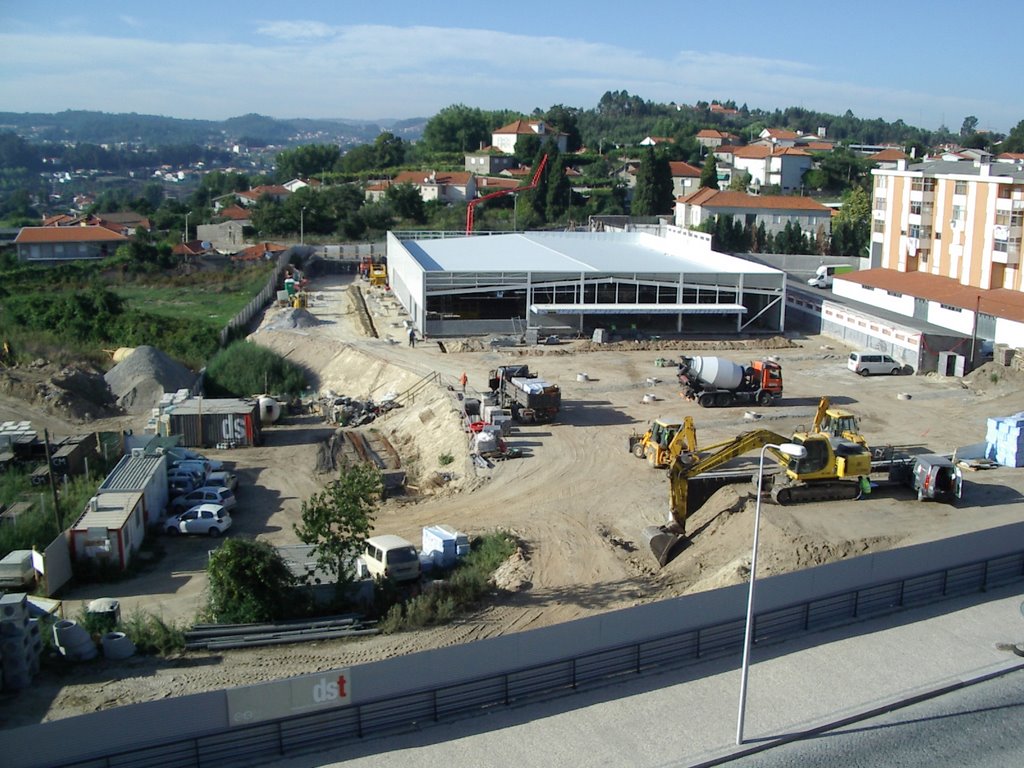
point(826, 272)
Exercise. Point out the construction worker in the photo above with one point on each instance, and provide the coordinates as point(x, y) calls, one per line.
point(865, 486)
point(412, 337)
point(462, 380)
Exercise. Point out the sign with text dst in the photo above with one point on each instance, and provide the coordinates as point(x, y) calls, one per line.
point(283, 698)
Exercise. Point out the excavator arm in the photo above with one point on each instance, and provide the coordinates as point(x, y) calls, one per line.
point(663, 539)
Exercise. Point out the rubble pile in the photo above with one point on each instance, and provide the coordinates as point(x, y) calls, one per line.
point(349, 412)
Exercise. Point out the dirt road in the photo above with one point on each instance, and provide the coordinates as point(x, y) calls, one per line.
point(577, 499)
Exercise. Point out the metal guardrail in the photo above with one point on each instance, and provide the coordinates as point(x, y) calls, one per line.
point(272, 740)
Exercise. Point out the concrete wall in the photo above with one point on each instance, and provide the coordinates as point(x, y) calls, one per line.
point(190, 716)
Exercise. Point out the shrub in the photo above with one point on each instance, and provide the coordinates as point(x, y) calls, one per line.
point(445, 459)
point(244, 369)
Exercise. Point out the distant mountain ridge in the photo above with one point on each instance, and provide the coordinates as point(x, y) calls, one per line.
point(79, 126)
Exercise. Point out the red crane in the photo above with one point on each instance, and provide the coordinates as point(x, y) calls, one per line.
point(501, 192)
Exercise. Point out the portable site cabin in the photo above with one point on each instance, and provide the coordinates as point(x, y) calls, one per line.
point(146, 474)
point(112, 529)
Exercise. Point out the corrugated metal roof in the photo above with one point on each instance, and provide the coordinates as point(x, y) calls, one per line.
point(576, 252)
point(132, 473)
point(226, 405)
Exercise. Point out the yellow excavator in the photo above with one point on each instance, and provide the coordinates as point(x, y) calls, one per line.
point(831, 470)
point(664, 442)
point(837, 422)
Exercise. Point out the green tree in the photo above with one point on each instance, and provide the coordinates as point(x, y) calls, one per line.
point(338, 520)
point(851, 227)
point(305, 161)
point(407, 202)
point(740, 181)
point(249, 582)
point(837, 170)
point(969, 125)
point(559, 188)
point(457, 128)
point(1014, 142)
point(709, 173)
point(563, 119)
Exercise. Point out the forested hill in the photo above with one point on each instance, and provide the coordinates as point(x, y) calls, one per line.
point(79, 126)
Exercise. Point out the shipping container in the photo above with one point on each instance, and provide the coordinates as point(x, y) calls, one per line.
point(213, 423)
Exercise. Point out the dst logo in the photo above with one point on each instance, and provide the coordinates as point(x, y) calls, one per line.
point(233, 428)
point(330, 690)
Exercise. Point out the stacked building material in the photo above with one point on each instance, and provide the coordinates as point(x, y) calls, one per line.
point(20, 642)
point(1004, 439)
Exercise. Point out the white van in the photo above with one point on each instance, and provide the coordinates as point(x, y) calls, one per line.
point(867, 363)
point(391, 557)
point(825, 274)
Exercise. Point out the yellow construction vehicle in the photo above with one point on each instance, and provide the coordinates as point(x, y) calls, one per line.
point(378, 275)
point(831, 470)
point(837, 423)
point(664, 441)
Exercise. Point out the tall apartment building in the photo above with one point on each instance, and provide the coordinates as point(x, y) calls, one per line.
point(956, 219)
point(945, 257)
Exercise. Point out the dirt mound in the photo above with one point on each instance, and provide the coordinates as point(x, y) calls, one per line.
point(995, 378)
point(290, 318)
point(655, 345)
point(77, 391)
point(142, 377)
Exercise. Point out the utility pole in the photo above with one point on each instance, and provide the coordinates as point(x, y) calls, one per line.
point(53, 483)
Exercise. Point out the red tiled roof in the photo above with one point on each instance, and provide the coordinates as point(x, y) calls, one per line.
point(1017, 156)
point(724, 198)
point(494, 183)
point(92, 234)
point(753, 151)
point(889, 155)
point(999, 302)
point(234, 212)
point(419, 178)
point(519, 126)
point(60, 219)
point(818, 146)
point(684, 169)
point(781, 133)
point(259, 251)
point(710, 133)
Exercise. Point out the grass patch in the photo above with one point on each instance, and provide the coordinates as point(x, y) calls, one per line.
point(445, 459)
point(465, 586)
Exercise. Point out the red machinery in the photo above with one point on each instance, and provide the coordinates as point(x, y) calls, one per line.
point(501, 192)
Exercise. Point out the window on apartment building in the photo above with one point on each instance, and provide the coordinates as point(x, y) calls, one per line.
point(922, 185)
point(879, 203)
point(950, 307)
point(897, 294)
point(878, 226)
point(960, 188)
point(920, 232)
point(958, 214)
point(915, 208)
point(1002, 246)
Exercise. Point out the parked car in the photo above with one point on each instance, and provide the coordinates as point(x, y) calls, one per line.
point(207, 494)
point(179, 485)
point(202, 519)
point(223, 478)
point(192, 465)
point(187, 454)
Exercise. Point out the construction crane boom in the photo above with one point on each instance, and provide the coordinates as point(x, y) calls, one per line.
point(472, 204)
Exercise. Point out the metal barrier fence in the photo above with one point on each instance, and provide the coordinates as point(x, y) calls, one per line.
point(259, 301)
point(333, 728)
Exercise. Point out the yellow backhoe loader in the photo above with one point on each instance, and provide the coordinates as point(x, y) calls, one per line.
point(837, 423)
point(664, 441)
point(831, 470)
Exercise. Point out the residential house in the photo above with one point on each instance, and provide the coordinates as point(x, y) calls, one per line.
point(712, 138)
point(444, 186)
point(294, 185)
point(505, 138)
point(773, 211)
point(718, 109)
point(489, 161)
point(276, 192)
point(946, 248)
point(777, 137)
point(53, 245)
point(259, 252)
point(685, 178)
point(125, 222)
point(654, 141)
point(888, 158)
point(783, 167)
point(1010, 157)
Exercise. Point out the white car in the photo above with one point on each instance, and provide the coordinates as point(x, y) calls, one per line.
point(207, 494)
point(203, 519)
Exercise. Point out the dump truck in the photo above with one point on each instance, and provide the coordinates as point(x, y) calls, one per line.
point(529, 397)
point(714, 382)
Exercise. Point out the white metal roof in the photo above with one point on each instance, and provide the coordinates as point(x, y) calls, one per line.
point(576, 252)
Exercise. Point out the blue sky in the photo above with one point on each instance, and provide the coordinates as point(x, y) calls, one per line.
point(925, 63)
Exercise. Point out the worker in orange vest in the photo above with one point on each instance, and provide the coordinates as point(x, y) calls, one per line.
point(462, 381)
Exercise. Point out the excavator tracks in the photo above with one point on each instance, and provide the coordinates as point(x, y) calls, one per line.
point(827, 490)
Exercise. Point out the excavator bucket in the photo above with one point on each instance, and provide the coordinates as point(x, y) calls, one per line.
point(662, 543)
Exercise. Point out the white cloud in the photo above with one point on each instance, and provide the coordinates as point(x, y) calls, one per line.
point(311, 69)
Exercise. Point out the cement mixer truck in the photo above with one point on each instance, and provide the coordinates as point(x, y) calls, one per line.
point(714, 382)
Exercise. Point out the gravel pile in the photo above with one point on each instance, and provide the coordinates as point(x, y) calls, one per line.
point(292, 318)
point(142, 377)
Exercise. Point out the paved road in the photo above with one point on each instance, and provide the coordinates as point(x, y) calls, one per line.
point(687, 717)
point(981, 726)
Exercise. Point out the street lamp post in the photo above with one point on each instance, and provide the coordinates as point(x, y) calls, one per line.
point(184, 237)
point(797, 452)
point(302, 226)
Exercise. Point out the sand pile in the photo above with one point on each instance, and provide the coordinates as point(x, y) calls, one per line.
point(140, 379)
point(291, 318)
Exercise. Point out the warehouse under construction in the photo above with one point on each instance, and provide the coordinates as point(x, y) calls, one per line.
point(666, 283)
